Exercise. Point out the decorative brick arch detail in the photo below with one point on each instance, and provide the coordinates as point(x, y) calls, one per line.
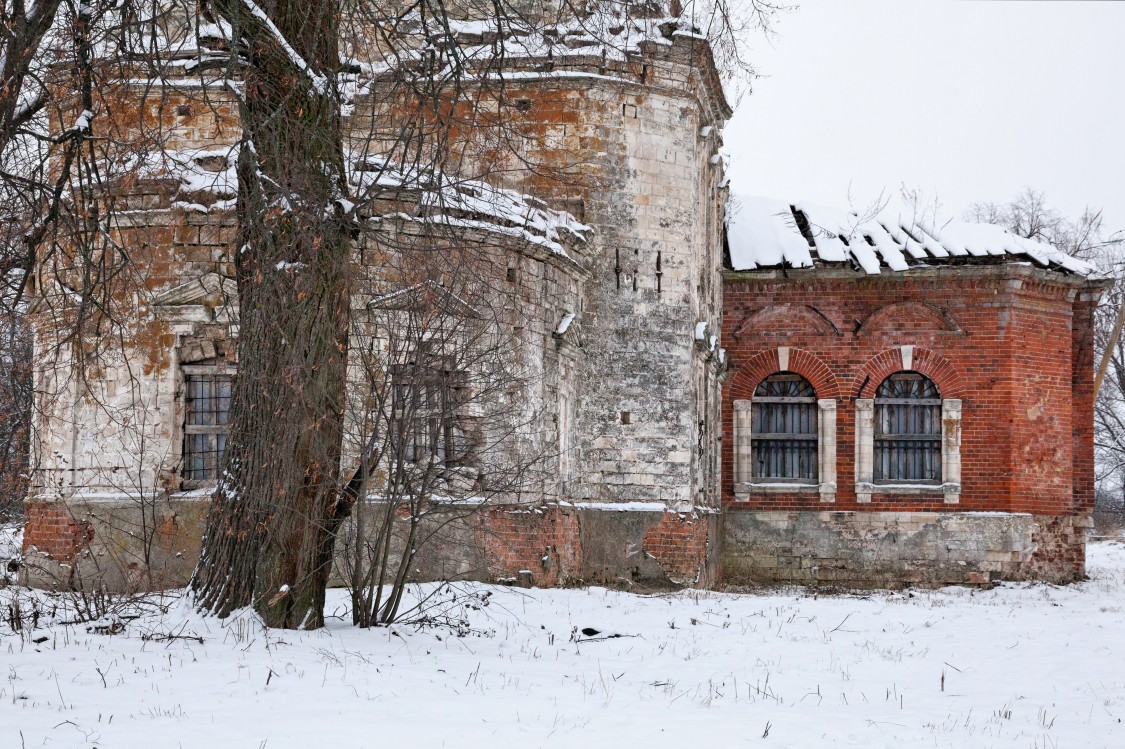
point(894, 314)
point(802, 362)
point(787, 318)
point(930, 363)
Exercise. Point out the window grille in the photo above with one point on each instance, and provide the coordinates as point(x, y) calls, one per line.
point(207, 391)
point(425, 414)
point(907, 430)
point(783, 433)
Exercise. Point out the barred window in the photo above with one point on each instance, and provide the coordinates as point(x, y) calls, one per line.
point(908, 429)
point(207, 390)
point(425, 414)
point(784, 430)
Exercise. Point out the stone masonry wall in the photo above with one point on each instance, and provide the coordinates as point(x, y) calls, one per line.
point(636, 143)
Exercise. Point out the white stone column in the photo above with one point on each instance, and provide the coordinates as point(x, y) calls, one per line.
point(743, 468)
point(864, 448)
point(951, 449)
point(826, 439)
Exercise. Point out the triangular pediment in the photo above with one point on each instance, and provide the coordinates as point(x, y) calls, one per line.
point(424, 295)
point(209, 298)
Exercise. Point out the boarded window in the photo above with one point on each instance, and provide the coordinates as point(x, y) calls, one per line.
point(207, 392)
point(907, 429)
point(784, 430)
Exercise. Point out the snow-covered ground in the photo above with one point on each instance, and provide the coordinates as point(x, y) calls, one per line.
point(1017, 666)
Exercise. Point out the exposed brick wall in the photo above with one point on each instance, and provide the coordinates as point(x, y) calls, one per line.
point(1012, 342)
point(51, 530)
point(1060, 549)
point(547, 542)
point(679, 543)
point(544, 541)
point(1082, 395)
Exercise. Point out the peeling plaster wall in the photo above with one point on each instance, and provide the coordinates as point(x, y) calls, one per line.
point(131, 544)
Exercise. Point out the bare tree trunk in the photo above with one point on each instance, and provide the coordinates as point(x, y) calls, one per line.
point(1111, 346)
point(272, 527)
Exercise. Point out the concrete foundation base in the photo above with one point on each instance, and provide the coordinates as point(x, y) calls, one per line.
point(895, 549)
point(127, 544)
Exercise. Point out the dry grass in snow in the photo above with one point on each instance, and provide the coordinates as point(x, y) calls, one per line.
point(1018, 666)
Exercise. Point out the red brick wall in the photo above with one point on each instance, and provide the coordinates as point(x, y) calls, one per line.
point(545, 541)
point(1012, 343)
point(679, 543)
point(1082, 389)
point(51, 530)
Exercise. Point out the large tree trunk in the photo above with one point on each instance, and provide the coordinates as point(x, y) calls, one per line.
point(272, 526)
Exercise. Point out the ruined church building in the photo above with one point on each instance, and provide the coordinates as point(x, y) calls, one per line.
point(726, 389)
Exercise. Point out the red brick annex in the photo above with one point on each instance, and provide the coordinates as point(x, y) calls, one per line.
point(903, 405)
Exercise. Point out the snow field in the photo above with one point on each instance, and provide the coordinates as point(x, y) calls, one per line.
point(1016, 666)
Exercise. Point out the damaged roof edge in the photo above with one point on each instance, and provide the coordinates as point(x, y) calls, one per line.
point(771, 233)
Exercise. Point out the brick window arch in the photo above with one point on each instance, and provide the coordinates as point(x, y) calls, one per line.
point(784, 431)
point(907, 440)
point(785, 437)
point(907, 429)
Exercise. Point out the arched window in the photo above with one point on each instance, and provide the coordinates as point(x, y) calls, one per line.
point(784, 430)
point(907, 430)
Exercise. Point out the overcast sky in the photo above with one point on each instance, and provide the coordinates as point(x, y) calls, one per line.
point(966, 99)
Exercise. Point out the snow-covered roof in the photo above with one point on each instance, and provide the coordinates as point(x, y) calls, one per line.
point(208, 179)
point(611, 29)
point(468, 203)
point(770, 233)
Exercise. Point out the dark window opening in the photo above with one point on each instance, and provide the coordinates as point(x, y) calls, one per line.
point(907, 429)
point(784, 423)
point(426, 424)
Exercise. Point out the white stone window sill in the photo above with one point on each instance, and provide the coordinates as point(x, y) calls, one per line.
point(946, 488)
point(777, 486)
point(202, 491)
point(827, 491)
point(952, 491)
